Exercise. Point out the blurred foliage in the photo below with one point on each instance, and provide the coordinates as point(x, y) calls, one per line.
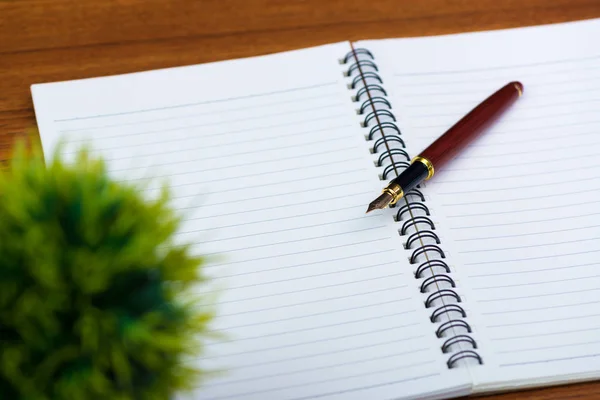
point(95, 299)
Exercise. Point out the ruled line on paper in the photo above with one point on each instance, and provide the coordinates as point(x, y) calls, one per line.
point(200, 102)
point(531, 175)
point(361, 388)
point(524, 108)
point(534, 258)
point(464, 104)
point(481, 92)
point(206, 205)
point(265, 173)
point(507, 67)
point(542, 128)
point(297, 317)
point(537, 283)
point(183, 139)
point(550, 360)
point(321, 340)
point(548, 161)
point(271, 160)
point(276, 207)
point(181, 150)
point(531, 270)
point(211, 113)
point(218, 156)
point(310, 289)
point(521, 210)
point(316, 301)
point(319, 354)
point(307, 265)
point(267, 220)
point(556, 346)
point(307, 190)
point(299, 252)
point(519, 198)
point(593, 178)
point(309, 276)
point(539, 140)
point(270, 184)
point(305, 276)
point(295, 228)
point(516, 310)
point(515, 153)
point(528, 246)
point(526, 222)
point(377, 358)
point(540, 321)
point(547, 333)
point(314, 327)
point(270, 172)
point(228, 144)
point(537, 295)
point(495, 78)
point(331, 366)
point(397, 368)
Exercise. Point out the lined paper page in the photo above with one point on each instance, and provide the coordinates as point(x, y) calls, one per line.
point(267, 161)
point(521, 204)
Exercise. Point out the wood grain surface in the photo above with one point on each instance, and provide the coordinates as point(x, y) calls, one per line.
point(50, 40)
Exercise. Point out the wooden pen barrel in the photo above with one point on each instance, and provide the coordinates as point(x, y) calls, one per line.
point(471, 125)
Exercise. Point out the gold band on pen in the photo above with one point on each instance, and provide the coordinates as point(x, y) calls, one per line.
point(395, 191)
point(427, 163)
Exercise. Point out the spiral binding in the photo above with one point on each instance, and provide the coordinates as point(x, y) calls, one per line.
point(422, 243)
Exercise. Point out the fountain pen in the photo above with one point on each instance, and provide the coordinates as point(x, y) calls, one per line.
point(449, 145)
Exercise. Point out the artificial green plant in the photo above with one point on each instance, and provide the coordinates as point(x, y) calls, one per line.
point(95, 299)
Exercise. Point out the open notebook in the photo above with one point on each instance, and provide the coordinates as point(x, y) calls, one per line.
point(487, 279)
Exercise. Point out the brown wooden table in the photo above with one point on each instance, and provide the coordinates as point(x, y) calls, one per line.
point(49, 40)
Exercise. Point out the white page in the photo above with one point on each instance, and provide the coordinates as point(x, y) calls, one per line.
point(267, 159)
point(519, 208)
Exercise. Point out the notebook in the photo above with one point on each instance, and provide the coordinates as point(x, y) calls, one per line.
point(484, 279)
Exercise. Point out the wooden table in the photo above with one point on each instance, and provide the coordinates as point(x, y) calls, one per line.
point(49, 40)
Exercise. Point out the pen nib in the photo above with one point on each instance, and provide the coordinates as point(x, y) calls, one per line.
point(381, 202)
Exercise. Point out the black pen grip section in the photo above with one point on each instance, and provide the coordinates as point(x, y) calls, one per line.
point(415, 221)
point(411, 177)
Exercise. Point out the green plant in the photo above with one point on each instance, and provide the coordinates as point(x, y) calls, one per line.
point(95, 301)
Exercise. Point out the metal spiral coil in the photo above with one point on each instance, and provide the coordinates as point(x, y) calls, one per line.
point(447, 309)
point(463, 354)
point(414, 218)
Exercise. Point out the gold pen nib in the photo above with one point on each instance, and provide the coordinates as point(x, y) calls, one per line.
point(381, 202)
point(391, 194)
